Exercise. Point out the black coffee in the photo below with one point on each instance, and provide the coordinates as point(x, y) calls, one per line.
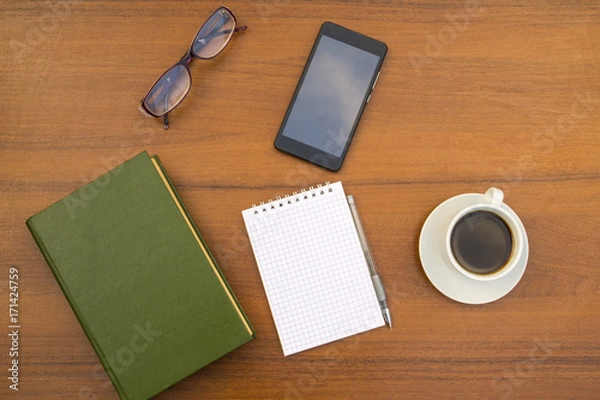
point(481, 242)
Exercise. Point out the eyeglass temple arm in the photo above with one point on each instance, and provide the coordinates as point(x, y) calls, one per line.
point(166, 117)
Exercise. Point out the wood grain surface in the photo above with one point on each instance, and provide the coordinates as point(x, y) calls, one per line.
point(472, 95)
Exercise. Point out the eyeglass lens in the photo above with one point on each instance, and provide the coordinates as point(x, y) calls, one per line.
point(214, 35)
point(175, 84)
point(169, 90)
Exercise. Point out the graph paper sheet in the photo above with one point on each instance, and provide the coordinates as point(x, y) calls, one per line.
point(313, 268)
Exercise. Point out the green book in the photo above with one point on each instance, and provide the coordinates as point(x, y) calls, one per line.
point(140, 279)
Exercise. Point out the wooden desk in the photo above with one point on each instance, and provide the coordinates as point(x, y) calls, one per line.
point(472, 95)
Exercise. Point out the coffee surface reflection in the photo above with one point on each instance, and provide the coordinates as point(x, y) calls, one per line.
point(481, 242)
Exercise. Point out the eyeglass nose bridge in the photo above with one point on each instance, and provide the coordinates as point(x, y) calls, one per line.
point(186, 58)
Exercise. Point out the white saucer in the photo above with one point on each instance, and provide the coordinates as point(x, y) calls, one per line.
point(444, 276)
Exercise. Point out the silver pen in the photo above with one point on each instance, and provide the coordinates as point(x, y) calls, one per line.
point(371, 263)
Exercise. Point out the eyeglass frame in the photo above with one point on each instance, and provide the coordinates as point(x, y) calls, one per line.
point(185, 61)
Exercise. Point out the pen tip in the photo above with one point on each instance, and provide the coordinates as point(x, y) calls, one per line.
point(387, 317)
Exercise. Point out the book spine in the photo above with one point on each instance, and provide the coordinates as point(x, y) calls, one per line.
point(101, 356)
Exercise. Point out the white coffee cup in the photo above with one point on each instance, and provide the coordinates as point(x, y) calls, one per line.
point(491, 203)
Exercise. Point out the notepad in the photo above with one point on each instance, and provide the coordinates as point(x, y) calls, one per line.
point(312, 267)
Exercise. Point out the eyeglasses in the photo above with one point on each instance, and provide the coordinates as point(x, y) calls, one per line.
point(172, 87)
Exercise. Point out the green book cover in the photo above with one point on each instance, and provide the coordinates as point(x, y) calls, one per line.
point(140, 279)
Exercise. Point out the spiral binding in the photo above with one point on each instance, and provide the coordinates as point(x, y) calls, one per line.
point(295, 197)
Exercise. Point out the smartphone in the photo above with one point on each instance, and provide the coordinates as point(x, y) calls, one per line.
point(335, 86)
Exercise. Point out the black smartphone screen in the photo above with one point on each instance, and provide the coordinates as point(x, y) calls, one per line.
point(330, 96)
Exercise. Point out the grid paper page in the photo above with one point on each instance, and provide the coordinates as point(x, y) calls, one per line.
point(313, 268)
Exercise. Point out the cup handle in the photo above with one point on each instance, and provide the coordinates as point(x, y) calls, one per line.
point(494, 196)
